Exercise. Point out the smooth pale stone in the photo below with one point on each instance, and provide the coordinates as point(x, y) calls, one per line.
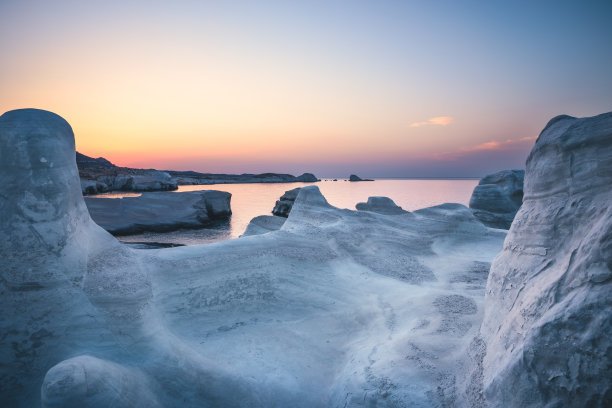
point(263, 224)
point(86, 381)
point(67, 286)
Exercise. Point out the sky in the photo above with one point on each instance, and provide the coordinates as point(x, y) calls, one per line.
point(376, 88)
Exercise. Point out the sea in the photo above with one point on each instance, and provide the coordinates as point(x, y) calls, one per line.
point(250, 200)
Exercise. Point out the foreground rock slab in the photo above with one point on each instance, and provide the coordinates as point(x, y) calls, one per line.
point(497, 198)
point(159, 211)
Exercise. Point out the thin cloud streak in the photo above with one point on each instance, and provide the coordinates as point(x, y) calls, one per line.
point(438, 120)
point(494, 145)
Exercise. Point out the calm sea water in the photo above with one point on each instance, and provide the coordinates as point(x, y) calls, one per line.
point(251, 200)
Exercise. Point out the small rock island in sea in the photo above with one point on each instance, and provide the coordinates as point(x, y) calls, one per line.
point(335, 308)
point(354, 177)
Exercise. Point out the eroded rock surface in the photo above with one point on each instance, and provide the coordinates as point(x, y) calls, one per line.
point(66, 285)
point(545, 338)
point(497, 198)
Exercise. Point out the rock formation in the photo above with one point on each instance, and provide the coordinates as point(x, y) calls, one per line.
point(354, 177)
point(66, 285)
point(382, 205)
point(307, 178)
point(100, 176)
point(160, 211)
point(84, 162)
point(263, 224)
point(283, 205)
point(497, 198)
point(192, 177)
point(545, 337)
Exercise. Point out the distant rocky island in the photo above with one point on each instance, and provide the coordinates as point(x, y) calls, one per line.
point(354, 177)
point(100, 176)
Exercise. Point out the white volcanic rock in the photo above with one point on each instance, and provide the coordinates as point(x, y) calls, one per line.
point(67, 286)
point(497, 198)
point(159, 211)
point(545, 338)
point(85, 381)
point(262, 224)
point(337, 308)
point(382, 205)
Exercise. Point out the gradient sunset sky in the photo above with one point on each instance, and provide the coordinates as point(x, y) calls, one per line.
point(376, 88)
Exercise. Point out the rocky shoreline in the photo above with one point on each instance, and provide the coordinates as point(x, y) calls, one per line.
point(101, 176)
